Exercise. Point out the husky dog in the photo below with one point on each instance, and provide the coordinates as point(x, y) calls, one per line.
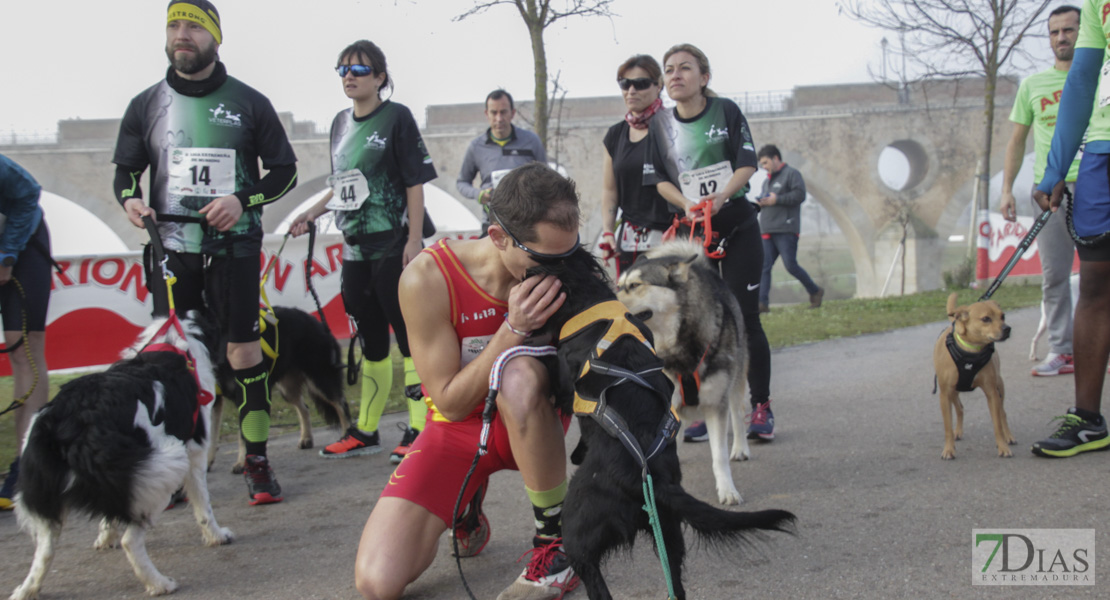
point(597, 339)
point(116, 445)
point(308, 363)
point(699, 334)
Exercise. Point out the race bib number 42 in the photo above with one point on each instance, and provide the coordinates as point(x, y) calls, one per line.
point(348, 190)
point(205, 172)
point(699, 183)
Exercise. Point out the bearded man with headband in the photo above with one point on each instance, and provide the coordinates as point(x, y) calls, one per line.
point(202, 133)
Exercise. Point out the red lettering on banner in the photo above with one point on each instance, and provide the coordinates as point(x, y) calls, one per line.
point(83, 277)
point(281, 274)
point(63, 275)
point(1105, 11)
point(318, 270)
point(114, 278)
point(335, 256)
point(135, 275)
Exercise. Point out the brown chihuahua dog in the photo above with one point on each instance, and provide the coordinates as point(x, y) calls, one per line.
point(964, 359)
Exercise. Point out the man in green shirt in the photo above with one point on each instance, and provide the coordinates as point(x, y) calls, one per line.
point(1036, 105)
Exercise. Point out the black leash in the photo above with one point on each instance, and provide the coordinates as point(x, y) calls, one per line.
point(1088, 242)
point(308, 273)
point(19, 402)
point(1026, 241)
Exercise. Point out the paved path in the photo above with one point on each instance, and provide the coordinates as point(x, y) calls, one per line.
point(857, 458)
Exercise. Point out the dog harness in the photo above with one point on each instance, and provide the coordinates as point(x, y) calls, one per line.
point(609, 322)
point(204, 397)
point(690, 384)
point(968, 364)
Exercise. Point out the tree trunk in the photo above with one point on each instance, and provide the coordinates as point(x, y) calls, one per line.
point(539, 55)
point(988, 138)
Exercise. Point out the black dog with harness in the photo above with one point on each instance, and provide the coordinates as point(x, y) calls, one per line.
point(607, 373)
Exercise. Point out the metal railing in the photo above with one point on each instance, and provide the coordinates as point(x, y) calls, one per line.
point(27, 137)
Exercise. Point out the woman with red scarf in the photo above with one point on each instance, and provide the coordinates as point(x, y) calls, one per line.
point(645, 215)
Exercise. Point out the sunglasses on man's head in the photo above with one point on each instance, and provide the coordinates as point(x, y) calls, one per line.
point(539, 257)
point(640, 83)
point(356, 70)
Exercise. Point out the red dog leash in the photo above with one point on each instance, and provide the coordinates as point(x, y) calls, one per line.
point(708, 238)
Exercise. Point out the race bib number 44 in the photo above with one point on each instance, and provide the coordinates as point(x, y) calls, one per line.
point(348, 190)
point(205, 172)
point(699, 183)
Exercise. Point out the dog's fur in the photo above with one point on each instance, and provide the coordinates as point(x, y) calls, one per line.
point(308, 362)
point(980, 324)
point(698, 330)
point(603, 508)
point(116, 445)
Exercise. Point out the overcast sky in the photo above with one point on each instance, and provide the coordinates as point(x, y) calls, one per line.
point(67, 59)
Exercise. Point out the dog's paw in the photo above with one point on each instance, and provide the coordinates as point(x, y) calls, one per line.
point(24, 592)
point(219, 537)
point(1005, 452)
point(103, 543)
point(739, 454)
point(948, 454)
point(305, 444)
point(726, 496)
point(162, 587)
point(237, 469)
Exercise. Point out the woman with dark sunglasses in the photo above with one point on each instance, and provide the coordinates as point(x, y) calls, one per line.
point(644, 212)
point(379, 166)
point(702, 151)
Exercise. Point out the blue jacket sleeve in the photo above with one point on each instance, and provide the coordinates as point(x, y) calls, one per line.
point(1075, 111)
point(19, 203)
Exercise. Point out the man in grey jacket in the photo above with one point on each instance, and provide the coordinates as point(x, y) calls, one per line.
point(498, 150)
point(780, 219)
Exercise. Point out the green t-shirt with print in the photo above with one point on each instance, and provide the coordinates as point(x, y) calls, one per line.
point(1036, 105)
point(1094, 31)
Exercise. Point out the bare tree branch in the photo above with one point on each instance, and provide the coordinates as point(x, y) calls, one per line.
point(537, 16)
point(956, 39)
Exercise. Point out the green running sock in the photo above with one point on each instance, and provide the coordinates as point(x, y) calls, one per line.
point(377, 378)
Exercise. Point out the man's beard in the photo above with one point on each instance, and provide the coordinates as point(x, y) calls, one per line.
point(1065, 54)
point(192, 63)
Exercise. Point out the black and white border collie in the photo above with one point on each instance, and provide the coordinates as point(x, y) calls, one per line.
point(116, 445)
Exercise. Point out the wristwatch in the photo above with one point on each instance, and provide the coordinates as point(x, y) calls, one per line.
point(8, 261)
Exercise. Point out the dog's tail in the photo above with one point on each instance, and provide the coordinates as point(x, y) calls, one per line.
point(717, 526)
point(43, 473)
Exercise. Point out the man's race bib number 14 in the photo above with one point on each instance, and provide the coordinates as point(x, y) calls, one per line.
point(699, 183)
point(205, 172)
point(348, 190)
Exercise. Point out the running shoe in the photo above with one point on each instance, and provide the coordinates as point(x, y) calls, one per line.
point(472, 527)
point(7, 493)
point(414, 392)
point(262, 486)
point(548, 575)
point(815, 299)
point(696, 432)
point(1074, 435)
point(178, 497)
point(1054, 364)
point(402, 449)
point(353, 443)
point(763, 423)
point(471, 541)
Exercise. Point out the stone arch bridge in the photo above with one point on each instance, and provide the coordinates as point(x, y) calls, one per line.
point(832, 134)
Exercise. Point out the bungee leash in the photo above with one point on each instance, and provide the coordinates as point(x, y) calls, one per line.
point(19, 402)
point(308, 273)
point(483, 439)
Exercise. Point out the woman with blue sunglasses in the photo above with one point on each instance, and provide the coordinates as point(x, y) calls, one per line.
point(379, 166)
